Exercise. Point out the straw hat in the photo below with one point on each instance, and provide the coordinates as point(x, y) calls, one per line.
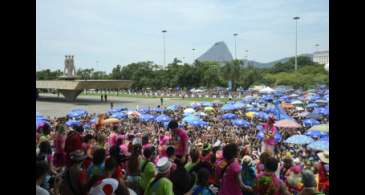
point(163, 165)
point(247, 159)
point(324, 156)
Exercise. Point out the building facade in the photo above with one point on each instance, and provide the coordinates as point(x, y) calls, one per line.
point(321, 57)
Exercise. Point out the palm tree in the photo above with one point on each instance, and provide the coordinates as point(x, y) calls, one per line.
point(231, 72)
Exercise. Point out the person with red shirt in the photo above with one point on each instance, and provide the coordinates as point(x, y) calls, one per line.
point(73, 142)
point(180, 139)
point(323, 171)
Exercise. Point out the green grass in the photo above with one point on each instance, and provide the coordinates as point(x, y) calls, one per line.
point(196, 99)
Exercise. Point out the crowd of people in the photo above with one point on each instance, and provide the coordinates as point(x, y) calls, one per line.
point(99, 154)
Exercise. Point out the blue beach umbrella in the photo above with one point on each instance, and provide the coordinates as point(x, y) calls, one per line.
point(144, 110)
point(206, 104)
point(195, 104)
point(239, 105)
point(270, 110)
point(260, 127)
point(93, 121)
point(321, 110)
point(158, 110)
point(228, 107)
point(229, 116)
point(319, 145)
point(261, 115)
point(146, 117)
point(316, 134)
point(190, 118)
point(172, 107)
point(313, 115)
point(278, 137)
point(116, 109)
point(310, 122)
point(324, 138)
point(241, 123)
point(299, 139)
point(162, 118)
point(77, 113)
point(312, 105)
point(260, 135)
point(70, 123)
point(198, 123)
point(119, 115)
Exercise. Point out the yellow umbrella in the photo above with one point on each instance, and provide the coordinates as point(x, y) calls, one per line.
point(250, 114)
point(209, 108)
point(111, 120)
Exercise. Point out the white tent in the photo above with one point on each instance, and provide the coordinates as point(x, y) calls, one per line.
point(267, 90)
point(258, 87)
point(296, 102)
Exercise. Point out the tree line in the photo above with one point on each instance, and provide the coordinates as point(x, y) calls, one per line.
point(207, 74)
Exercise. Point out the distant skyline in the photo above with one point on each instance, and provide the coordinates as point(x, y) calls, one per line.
point(102, 34)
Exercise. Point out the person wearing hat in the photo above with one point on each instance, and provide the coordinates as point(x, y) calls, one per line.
point(309, 183)
point(160, 184)
point(323, 171)
point(248, 172)
point(179, 138)
point(75, 178)
point(268, 143)
point(107, 186)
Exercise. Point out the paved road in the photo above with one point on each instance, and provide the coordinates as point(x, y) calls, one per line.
point(51, 105)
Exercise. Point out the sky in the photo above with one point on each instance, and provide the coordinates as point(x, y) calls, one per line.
point(104, 33)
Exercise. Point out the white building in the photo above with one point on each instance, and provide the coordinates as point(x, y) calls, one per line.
point(321, 57)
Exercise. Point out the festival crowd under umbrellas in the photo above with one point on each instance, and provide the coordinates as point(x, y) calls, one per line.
point(269, 142)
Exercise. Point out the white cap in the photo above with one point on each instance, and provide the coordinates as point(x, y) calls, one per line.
point(102, 187)
point(217, 143)
point(163, 165)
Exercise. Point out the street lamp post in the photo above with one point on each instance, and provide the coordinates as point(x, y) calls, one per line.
point(246, 57)
point(164, 47)
point(193, 55)
point(235, 45)
point(296, 41)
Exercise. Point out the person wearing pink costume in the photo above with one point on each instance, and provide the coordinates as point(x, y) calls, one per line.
point(268, 143)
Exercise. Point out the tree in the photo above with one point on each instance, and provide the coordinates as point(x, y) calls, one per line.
point(231, 72)
point(85, 74)
point(249, 76)
point(48, 74)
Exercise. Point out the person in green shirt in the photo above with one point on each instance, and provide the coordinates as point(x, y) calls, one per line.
point(147, 168)
point(161, 185)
